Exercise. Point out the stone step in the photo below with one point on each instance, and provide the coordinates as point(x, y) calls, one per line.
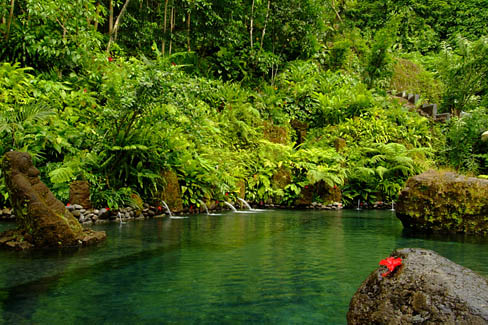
point(444, 117)
point(430, 109)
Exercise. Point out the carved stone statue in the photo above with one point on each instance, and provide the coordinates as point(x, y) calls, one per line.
point(43, 220)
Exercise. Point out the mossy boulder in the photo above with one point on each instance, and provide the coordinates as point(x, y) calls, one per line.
point(172, 193)
point(276, 134)
point(444, 202)
point(79, 193)
point(43, 220)
point(426, 289)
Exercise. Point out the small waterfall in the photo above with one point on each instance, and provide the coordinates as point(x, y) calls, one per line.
point(231, 206)
point(245, 203)
point(120, 217)
point(359, 203)
point(392, 205)
point(167, 208)
point(205, 206)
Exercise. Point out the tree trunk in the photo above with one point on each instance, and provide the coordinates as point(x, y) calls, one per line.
point(98, 15)
point(172, 26)
point(110, 17)
point(265, 24)
point(188, 25)
point(10, 18)
point(163, 43)
point(113, 36)
point(252, 23)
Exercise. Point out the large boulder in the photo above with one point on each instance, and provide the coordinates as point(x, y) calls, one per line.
point(43, 221)
point(426, 289)
point(444, 202)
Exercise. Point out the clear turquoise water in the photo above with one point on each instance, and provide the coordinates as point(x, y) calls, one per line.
point(287, 267)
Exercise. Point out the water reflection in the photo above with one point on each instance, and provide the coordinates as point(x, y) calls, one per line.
point(278, 266)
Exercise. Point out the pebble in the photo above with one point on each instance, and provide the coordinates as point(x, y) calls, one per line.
point(76, 213)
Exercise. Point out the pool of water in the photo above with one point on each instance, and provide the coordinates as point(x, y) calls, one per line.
point(290, 267)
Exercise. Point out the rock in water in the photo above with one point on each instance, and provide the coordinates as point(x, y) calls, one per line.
point(444, 202)
point(43, 220)
point(426, 289)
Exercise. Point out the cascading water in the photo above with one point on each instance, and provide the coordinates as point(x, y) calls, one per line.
point(167, 208)
point(120, 217)
point(169, 211)
point(245, 203)
point(359, 203)
point(231, 206)
point(205, 206)
point(392, 205)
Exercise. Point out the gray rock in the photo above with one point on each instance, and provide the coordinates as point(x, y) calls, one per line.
point(82, 210)
point(102, 211)
point(77, 206)
point(96, 211)
point(76, 213)
point(427, 287)
point(87, 223)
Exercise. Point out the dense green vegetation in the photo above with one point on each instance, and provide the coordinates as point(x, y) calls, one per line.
point(226, 93)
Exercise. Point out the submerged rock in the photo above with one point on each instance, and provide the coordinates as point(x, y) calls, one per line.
point(43, 220)
point(426, 289)
point(444, 202)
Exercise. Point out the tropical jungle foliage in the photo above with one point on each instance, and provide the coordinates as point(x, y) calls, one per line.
point(277, 97)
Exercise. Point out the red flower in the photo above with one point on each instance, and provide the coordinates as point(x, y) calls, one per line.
point(173, 64)
point(217, 202)
point(108, 209)
point(391, 263)
point(110, 59)
point(84, 90)
point(226, 194)
point(160, 208)
point(335, 186)
point(67, 204)
point(306, 186)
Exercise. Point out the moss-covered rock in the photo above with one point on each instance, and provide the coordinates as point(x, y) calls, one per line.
point(444, 202)
point(172, 193)
point(43, 220)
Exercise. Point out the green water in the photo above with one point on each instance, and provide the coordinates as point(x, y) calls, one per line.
point(289, 267)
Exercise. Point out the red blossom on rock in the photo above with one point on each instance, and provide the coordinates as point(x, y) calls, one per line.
point(67, 204)
point(391, 263)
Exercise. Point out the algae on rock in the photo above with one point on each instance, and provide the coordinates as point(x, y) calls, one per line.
point(444, 202)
